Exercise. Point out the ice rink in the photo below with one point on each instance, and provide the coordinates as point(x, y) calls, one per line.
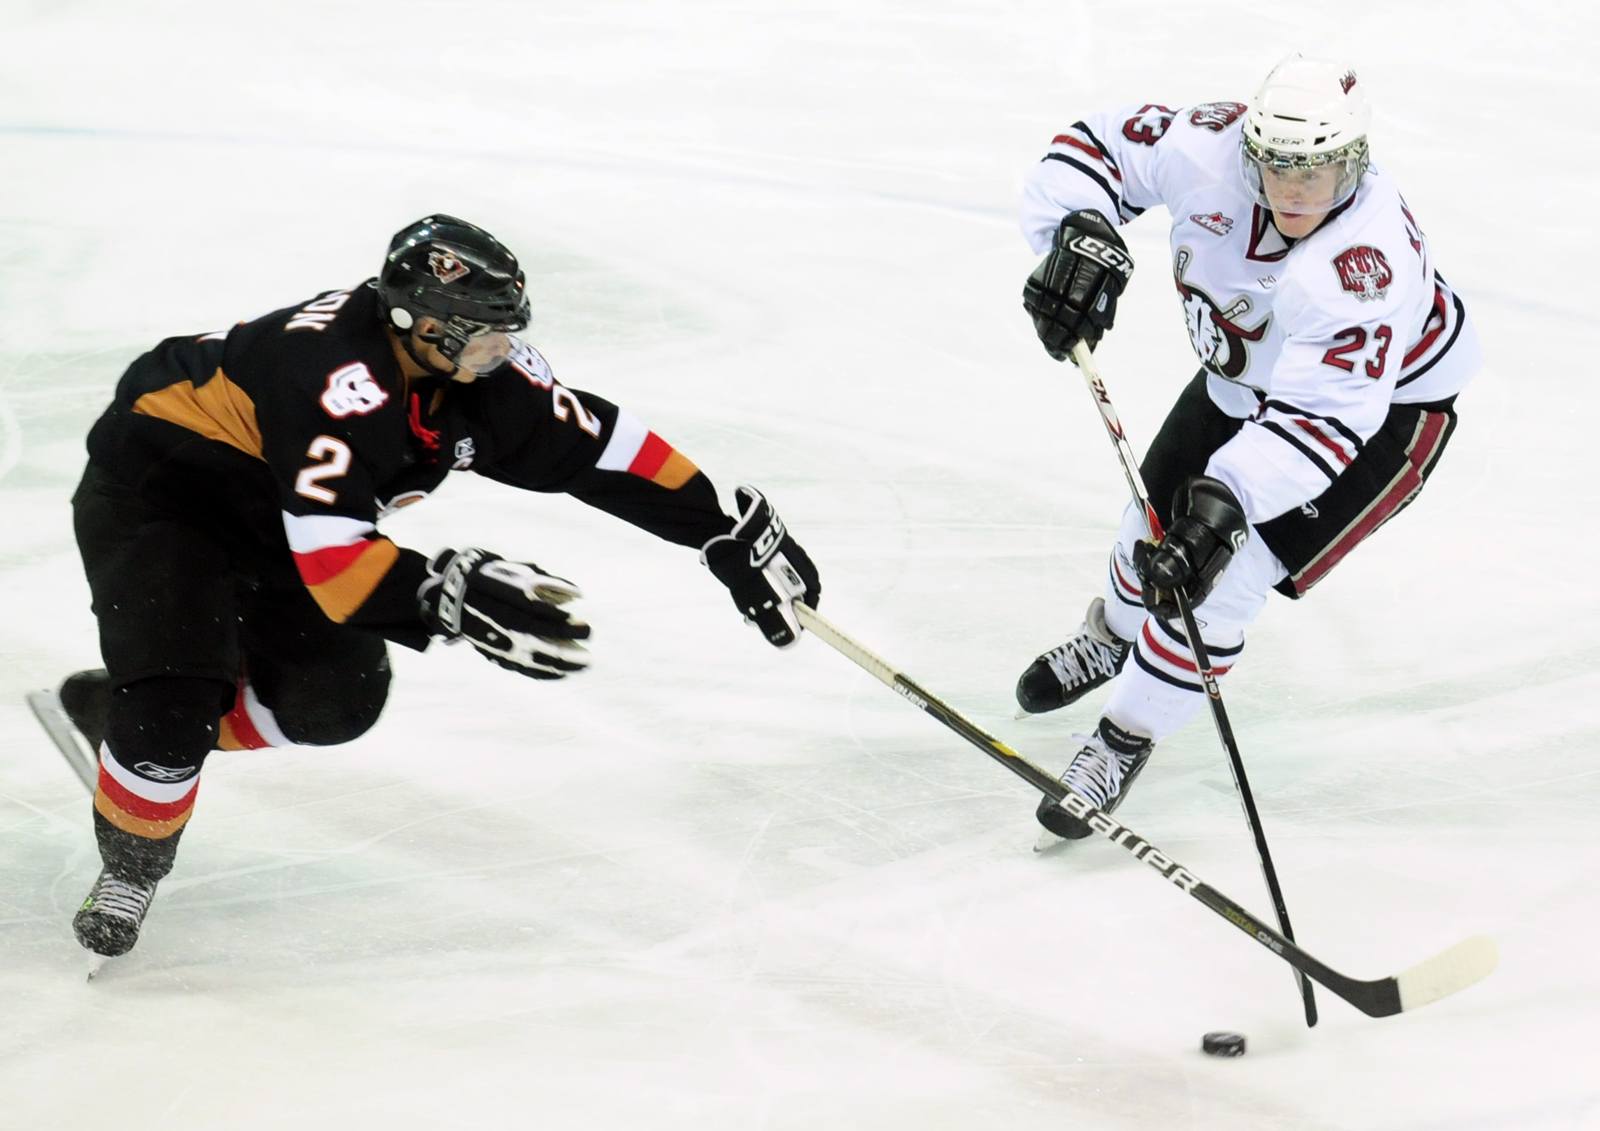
point(709, 885)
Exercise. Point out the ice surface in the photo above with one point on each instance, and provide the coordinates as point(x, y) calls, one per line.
point(708, 885)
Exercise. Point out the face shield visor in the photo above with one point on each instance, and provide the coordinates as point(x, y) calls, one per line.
point(476, 347)
point(1300, 184)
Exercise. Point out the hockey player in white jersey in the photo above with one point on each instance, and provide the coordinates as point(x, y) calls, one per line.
point(1331, 353)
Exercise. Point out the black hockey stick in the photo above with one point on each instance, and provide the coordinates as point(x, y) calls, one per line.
point(1208, 679)
point(1445, 973)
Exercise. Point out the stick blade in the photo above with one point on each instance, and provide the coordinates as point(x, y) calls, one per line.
point(1448, 972)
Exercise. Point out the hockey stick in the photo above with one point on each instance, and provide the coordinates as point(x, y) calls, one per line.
point(1208, 679)
point(1445, 973)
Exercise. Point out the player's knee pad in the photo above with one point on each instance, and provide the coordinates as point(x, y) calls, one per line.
point(167, 720)
point(315, 707)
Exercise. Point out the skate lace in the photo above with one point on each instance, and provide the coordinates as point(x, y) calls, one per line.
point(1081, 659)
point(122, 900)
point(1096, 774)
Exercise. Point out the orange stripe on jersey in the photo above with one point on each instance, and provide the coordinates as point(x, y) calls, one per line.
point(662, 464)
point(131, 813)
point(677, 471)
point(218, 410)
point(341, 578)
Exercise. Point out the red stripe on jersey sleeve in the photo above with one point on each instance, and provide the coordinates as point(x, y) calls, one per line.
point(320, 566)
point(652, 454)
point(1068, 139)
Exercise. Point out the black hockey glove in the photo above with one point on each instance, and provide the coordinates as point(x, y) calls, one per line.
point(508, 611)
point(1072, 294)
point(1208, 528)
point(763, 567)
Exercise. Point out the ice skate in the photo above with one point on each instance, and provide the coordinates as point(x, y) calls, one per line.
point(108, 923)
point(1101, 773)
point(75, 719)
point(1070, 671)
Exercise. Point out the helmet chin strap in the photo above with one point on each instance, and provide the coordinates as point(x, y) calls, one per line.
point(422, 363)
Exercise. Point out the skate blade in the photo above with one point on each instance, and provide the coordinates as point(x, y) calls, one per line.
point(85, 763)
point(97, 963)
point(1048, 840)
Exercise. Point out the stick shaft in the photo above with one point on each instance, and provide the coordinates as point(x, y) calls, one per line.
point(1208, 679)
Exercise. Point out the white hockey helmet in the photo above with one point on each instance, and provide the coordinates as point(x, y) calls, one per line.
point(1305, 135)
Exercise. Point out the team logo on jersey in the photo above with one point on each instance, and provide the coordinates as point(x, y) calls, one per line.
point(1348, 81)
point(445, 266)
point(352, 391)
point(1216, 116)
point(1219, 341)
point(1214, 222)
point(466, 452)
point(1364, 272)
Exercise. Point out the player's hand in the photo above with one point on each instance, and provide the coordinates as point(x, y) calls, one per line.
point(1208, 528)
point(509, 611)
point(764, 568)
point(1072, 294)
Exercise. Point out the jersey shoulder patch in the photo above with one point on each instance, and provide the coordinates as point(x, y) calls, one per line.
point(530, 363)
point(1364, 271)
point(1216, 116)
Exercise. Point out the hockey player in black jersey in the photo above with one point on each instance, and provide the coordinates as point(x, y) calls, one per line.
point(228, 524)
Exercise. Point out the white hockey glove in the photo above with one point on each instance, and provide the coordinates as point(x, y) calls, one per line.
point(763, 567)
point(508, 611)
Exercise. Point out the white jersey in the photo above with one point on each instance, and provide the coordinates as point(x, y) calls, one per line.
point(1308, 341)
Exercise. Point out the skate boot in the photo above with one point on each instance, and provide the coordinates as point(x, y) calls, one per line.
point(1101, 773)
point(108, 922)
point(1067, 673)
point(86, 698)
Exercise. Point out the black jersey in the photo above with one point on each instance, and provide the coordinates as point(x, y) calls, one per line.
point(293, 434)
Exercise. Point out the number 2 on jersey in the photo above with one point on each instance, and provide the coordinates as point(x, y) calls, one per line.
point(330, 460)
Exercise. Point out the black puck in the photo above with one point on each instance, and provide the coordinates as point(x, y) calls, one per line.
point(1222, 1044)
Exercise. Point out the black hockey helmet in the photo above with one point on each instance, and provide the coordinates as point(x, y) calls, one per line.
point(456, 272)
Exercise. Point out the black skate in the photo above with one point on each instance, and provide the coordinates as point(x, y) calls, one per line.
point(108, 922)
point(1101, 773)
point(75, 719)
point(86, 698)
point(1070, 671)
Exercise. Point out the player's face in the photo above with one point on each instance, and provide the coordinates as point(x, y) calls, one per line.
point(482, 354)
point(1301, 192)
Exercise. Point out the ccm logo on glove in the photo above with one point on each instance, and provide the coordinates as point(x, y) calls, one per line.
point(764, 568)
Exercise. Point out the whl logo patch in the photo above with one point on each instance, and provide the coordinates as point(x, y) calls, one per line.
point(1364, 272)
